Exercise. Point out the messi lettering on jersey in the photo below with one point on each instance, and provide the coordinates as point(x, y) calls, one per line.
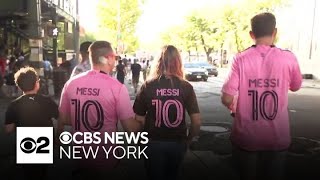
point(168, 92)
point(88, 91)
point(264, 83)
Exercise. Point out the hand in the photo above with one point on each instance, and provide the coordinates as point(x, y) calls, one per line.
point(190, 142)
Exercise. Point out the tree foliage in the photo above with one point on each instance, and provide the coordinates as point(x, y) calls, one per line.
point(216, 28)
point(118, 21)
point(88, 37)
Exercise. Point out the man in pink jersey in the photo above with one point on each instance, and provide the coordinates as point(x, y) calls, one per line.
point(260, 79)
point(94, 102)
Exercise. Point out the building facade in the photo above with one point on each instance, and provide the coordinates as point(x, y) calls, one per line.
point(40, 29)
point(299, 31)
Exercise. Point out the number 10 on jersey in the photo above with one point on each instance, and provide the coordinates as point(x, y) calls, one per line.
point(259, 104)
point(162, 112)
point(82, 115)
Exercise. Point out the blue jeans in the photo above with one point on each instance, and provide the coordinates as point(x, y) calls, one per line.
point(164, 159)
point(253, 165)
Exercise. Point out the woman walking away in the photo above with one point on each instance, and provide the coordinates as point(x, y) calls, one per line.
point(160, 106)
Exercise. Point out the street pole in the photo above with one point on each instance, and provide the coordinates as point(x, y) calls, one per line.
point(119, 26)
point(312, 32)
point(77, 31)
point(35, 35)
point(55, 40)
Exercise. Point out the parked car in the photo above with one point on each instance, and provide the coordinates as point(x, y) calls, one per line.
point(212, 70)
point(194, 72)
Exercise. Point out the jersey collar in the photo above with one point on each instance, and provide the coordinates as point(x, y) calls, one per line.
point(254, 46)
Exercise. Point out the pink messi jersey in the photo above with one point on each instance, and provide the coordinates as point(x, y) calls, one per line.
point(260, 79)
point(95, 102)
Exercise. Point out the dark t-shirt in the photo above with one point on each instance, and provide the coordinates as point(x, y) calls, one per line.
point(32, 111)
point(120, 70)
point(135, 68)
point(164, 103)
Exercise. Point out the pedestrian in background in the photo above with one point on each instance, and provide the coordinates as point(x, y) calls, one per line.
point(144, 69)
point(121, 71)
point(135, 69)
point(160, 106)
point(125, 60)
point(128, 71)
point(85, 63)
point(47, 68)
point(12, 88)
point(260, 78)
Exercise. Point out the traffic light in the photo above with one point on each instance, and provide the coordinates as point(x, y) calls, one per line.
point(53, 31)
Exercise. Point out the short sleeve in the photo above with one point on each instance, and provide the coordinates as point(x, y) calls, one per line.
point(11, 115)
point(64, 106)
point(231, 85)
point(124, 106)
point(295, 75)
point(140, 104)
point(191, 101)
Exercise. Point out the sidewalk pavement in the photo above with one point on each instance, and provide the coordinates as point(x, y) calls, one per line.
point(309, 83)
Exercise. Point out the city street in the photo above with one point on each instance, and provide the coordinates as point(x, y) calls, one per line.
point(211, 152)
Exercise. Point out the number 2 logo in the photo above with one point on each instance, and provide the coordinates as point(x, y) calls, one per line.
point(162, 112)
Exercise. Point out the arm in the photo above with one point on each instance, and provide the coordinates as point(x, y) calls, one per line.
point(140, 106)
point(295, 76)
point(50, 67)
point(195, 126)
point(194, 113)
point(141, 120)
point(63, 111)
point(227, 100)
point(62, 121)
point(125, 112)
point(131, 125)
point(231, 85)
point(10, 119)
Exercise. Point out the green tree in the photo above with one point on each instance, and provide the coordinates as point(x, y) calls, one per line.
point(237, 19)
point(118, 21)
point(211, 28)
point(88, 37)
point(184, 37)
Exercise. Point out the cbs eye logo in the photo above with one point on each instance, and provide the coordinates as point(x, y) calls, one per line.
point(29, 145)
point(34, 145)
point(65, 138)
